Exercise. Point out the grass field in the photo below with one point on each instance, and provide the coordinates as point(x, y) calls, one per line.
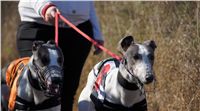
point(174, 26)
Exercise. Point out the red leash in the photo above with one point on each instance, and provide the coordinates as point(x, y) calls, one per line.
point(56, 28)
point(57, 16)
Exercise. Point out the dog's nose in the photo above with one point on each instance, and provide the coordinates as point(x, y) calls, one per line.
point(149, 78)
point(54, 86)
point(56, 80)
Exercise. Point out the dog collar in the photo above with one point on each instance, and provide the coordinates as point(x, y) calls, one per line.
point(34, 81)
point(126, 84)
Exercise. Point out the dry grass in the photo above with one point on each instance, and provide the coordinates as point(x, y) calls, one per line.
point(174, 26)
point(9, 23)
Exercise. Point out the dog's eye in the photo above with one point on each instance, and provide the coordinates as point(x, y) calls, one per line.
point(137, 56)
point(151, 57)
point(45, 61)
point(43, 56)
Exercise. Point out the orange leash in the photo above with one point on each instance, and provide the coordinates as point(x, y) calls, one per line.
point(58, 15)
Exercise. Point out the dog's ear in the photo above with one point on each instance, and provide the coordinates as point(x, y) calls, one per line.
point(51, 42)
point(124, 43)
point(151, 43)
point(36, 45)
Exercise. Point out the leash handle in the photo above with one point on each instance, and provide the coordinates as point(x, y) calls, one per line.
point(85, 36)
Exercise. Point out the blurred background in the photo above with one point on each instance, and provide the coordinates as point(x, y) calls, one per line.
point(175, 26)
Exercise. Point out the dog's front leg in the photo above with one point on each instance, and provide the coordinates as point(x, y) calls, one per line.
point(86, 106)
point(84, 102)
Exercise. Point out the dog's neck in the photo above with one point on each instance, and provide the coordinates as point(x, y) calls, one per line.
point(32, 68)
point(119, 93)
point(123, 80)
point(127, 78)
point(33, 77)
point(126, 74)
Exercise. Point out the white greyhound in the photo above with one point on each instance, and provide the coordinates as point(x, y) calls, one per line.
point(114, 85)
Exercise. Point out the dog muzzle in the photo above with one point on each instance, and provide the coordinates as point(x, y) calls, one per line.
point(51, 80)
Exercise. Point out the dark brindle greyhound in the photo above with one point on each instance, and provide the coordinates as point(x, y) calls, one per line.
point(39, 84)
point(118, 85)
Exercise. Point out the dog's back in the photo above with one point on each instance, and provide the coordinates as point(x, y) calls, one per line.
point(12, 75)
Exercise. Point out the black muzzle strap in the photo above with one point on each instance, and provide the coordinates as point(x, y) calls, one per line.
point(39, 74)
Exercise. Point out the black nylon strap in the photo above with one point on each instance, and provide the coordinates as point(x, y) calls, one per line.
point(106, 60)
point(140, 106)
point(108, 106)
point(22, 104)
point(49, 103)
point(125, 84)
point(21, 107)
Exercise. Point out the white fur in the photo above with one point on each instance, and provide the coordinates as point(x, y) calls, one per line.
point(53, 55)
point(143, 67)
point(29, 93)
point(115, 93)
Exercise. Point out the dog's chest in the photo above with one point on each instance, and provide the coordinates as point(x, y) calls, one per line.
point(40, 96)
point(107, 87)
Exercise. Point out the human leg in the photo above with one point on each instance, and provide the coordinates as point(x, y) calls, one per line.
point(75, 49)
